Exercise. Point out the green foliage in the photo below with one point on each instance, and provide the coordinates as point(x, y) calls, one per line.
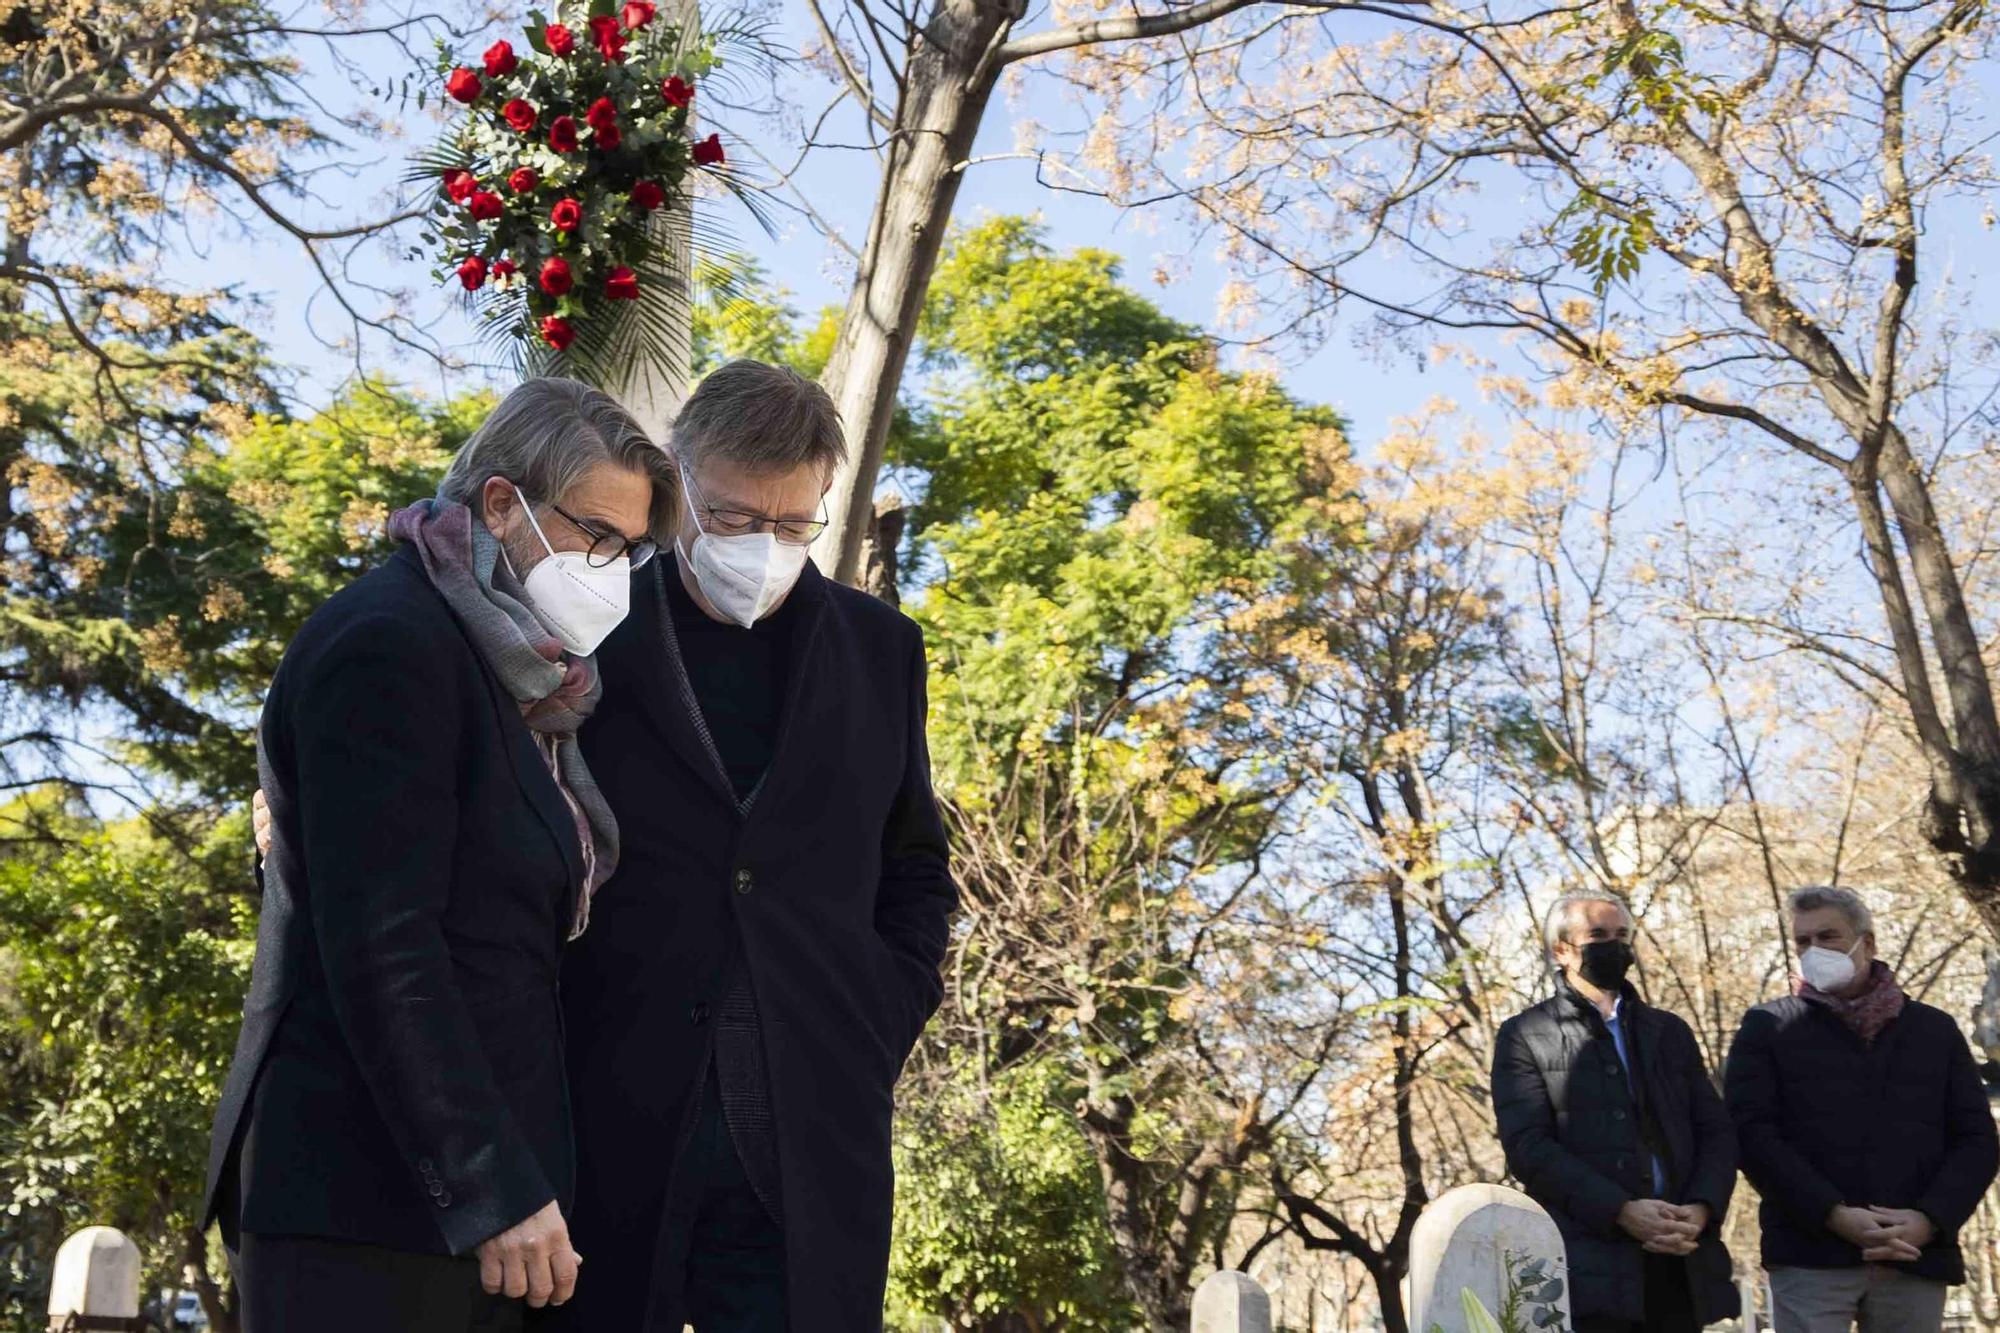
point(121, 985)
point(998, 1211)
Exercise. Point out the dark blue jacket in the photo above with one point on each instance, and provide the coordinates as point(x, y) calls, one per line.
point(398, 1078)
point(1902, 1123)
point(1572, 1131)
point(833, 889)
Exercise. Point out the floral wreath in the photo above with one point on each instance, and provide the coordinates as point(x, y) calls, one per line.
point(547, 184)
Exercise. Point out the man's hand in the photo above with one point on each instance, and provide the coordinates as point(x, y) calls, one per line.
point(260, 825)
point(1879, 1239)
point(1907, 1230)
point(1693, 1218)
point(531, 1259)
point(1658, 1226)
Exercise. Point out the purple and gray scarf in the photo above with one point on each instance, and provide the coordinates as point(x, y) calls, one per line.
point(555, 693)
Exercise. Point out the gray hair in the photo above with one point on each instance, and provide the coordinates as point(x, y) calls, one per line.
point(768, 418)
point(1555, 926)
point(1815, 896)
point(545, 435)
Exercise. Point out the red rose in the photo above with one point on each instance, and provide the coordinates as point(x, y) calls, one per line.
point(560, 40)
point(648, 195)
point(485, 205)
point(708, 152)
point(678, 92)
point(504, 269)
point(637, 14)
point(603, 114)
point(557, 332)
point(522, 179)
point(562, 134)
point(610, 42)
point(520, 115)
point(566, 215)
point(463, 85)
point(608, 138)
point(555, 278)
point(459, 185)
point(472, 273)
point(622, 285)
point(500, 60)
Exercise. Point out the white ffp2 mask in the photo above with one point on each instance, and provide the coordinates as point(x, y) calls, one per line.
point(743, 576)
point(1827, 970)
point(580, 602)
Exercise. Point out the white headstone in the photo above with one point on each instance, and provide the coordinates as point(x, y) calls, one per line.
point(1479, 1238)
point(97, 1272)
point(1231, 1302)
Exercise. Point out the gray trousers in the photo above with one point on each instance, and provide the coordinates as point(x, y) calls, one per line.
point(1881, 1298)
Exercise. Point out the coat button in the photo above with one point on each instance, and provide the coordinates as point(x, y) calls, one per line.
point(436, 1188)
point(1618, 1113)
point(424, 1165)
point(444, 1199)
point(743, 881)
point(698, 1015)
point(1611, 1069)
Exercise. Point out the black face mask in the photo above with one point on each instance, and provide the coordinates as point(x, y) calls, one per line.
point(1605, 963)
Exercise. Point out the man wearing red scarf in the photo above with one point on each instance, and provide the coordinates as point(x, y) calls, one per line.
point(1864, 1125)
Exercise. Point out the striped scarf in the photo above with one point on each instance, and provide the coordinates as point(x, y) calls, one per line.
point(555, 693)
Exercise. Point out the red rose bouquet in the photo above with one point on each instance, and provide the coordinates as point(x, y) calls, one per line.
point(561, 154)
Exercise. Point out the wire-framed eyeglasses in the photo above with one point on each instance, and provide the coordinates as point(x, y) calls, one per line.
point(740, 522)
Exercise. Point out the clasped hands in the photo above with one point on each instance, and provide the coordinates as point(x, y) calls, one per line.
point(1662, 1227)
point(1884, 1235)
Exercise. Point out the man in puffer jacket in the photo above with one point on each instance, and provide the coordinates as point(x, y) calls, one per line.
point(1866, 1129)
point(1611, 1123)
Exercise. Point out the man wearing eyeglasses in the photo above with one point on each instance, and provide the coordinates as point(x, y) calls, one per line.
point(760, 966)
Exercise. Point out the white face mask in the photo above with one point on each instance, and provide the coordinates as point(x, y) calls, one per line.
point(581, 603)
point(1827, 970)
point(744, 576)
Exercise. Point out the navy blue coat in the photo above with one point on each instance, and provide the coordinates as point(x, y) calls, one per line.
point(835, 886)
point(1902, 1122)
point(398, 1077)
point(1571, 1129)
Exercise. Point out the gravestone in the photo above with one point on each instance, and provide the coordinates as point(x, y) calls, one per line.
point(1482, 1238)
point(96, 1274)
point(1231, 1302)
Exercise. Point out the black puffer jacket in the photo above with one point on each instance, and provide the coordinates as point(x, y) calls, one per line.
point(1902, 1122)
point(1572, 1133)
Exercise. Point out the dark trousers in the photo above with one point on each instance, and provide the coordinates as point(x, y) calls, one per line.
point(300, 1284)
point(722, 1256)
point(1669, 1302)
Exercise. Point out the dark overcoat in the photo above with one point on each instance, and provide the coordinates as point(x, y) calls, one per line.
point(1902, 1122)
point(398, 1079)
point(1571, 1128)
point(836, 889)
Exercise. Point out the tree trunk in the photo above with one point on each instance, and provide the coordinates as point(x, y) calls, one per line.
point(947, 84)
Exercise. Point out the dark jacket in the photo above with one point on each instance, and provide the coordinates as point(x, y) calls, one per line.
point(836, 889)
point(1824, 1120)
point(1572, 1131)
point(398, 1079)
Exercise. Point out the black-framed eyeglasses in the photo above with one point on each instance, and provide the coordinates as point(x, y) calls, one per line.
point(740, 522)
point(607, 545)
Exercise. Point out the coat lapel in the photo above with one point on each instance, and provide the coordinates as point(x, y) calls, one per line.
point(793, 733)
point(531, 770)
point(661, 683)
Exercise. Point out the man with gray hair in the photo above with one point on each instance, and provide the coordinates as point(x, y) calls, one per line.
point(762, 963)
point(1864, 1127)
point(1610, 1122)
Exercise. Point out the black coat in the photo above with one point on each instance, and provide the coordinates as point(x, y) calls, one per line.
point(1571, 1131)
point(398, 1079)
point(836, 888)
point(1824, 1120)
